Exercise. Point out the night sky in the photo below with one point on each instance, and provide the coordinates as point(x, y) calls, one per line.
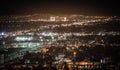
point(84, 7)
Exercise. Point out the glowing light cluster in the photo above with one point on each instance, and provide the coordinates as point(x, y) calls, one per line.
point(48, 34)
point(23, 38)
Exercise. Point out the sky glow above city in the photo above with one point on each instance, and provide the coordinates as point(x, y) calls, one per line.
point(85, 7)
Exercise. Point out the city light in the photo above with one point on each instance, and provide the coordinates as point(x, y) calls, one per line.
point(78, 41)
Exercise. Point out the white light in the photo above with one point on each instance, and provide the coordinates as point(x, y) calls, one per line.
point(2, 33)
point(49, 34)
point(14, 34)
point(40, 37)
point(23, 38)
point(52, 18)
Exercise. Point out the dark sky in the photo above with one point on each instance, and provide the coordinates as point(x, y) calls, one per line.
point(85, 7)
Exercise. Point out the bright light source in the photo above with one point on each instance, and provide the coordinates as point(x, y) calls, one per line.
point(2, 33)
point(14, 34)
point(23, 38)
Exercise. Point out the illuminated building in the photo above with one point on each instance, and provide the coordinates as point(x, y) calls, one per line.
point(52, 18)
point(65, 19)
